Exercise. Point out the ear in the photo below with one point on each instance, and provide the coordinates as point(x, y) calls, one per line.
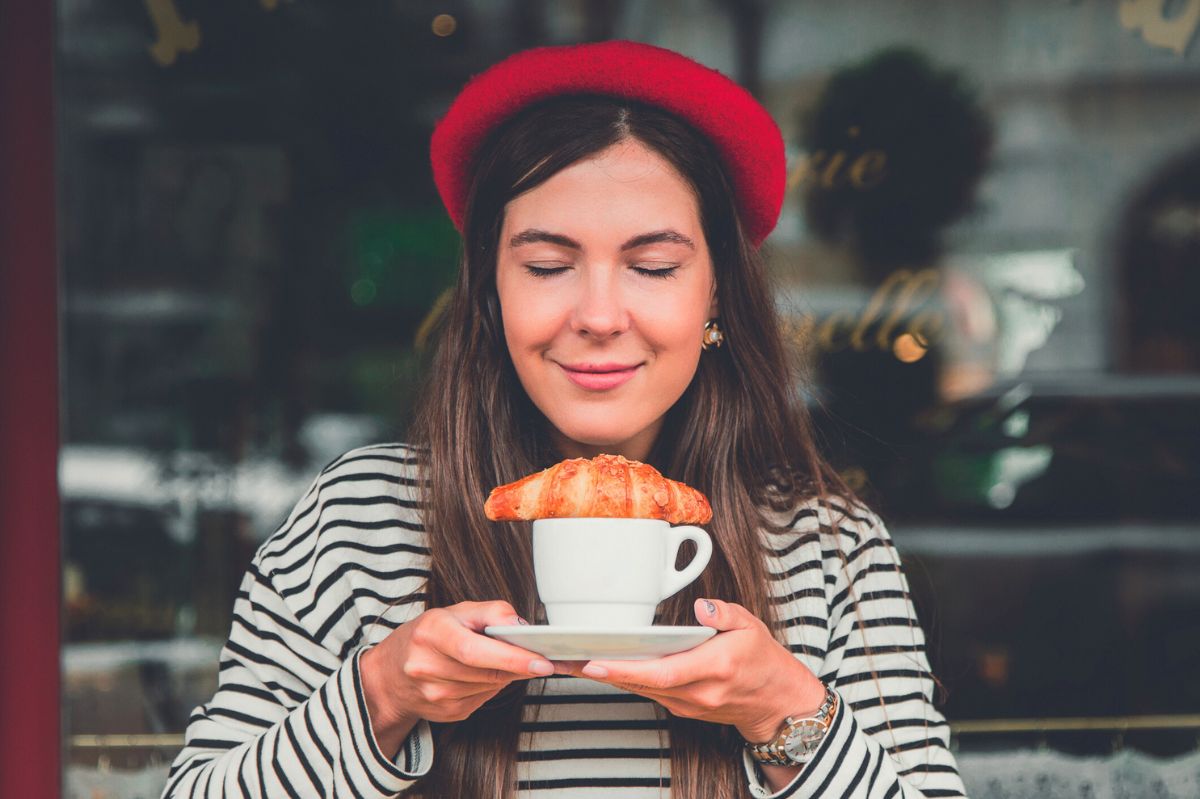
point(713, 310)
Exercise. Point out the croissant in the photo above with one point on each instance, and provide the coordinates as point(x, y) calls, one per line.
point(606, 486)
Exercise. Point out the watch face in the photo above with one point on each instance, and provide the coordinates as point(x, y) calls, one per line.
point(803, 741)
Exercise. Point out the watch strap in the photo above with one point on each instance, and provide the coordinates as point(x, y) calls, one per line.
point(773, 752)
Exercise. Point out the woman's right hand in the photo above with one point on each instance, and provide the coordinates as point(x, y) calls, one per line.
point(440, 667)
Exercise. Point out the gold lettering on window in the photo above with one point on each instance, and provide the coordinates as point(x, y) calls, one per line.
point(173, 34)
point(1149, 17)
point(839, 168)
point(890, 304)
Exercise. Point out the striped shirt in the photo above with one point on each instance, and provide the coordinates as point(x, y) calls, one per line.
point(289, 717)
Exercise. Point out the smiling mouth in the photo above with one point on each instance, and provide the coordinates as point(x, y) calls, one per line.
point(599, 368)
point(600, 381)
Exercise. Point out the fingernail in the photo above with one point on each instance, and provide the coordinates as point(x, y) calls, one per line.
point(595, 671)
point(541, 667)
point(519, 620)
point(710, 607)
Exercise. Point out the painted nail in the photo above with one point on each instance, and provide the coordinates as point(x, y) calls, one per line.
point(541, 667)
point(710, 607)
point(519, 620)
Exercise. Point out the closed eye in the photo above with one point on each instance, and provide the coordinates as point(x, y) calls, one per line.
point(660, 274)
point(542, 272)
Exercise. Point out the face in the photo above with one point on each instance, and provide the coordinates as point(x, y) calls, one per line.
point(605, 265)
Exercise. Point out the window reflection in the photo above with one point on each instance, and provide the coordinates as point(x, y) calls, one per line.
point(987, 261)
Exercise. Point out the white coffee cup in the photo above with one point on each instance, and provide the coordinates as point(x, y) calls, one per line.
point(600, 572)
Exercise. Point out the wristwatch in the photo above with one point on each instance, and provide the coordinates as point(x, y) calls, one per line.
point(800, 737)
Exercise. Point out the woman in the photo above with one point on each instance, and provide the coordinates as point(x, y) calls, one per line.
point(600, 227)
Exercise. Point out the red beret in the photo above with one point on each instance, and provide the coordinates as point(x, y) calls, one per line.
point(743, 132)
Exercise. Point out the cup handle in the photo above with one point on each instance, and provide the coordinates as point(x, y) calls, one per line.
point(675, 580)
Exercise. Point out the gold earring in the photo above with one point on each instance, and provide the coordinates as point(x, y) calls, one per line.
point(713, 337)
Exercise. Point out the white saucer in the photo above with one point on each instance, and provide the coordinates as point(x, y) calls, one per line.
point(613, 643)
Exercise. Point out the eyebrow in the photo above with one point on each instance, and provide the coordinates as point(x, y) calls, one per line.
point(534, 235)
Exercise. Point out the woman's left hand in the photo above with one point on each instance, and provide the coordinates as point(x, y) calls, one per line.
point(742, 676)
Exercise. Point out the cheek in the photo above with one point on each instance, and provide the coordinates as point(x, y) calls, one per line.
point(534, 336)
point(675, 334)
point(677, 365)
point(529, 322)
point(674, 323)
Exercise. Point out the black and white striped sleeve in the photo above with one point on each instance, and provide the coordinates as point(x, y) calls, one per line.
point(289, 718)
point(887, 738)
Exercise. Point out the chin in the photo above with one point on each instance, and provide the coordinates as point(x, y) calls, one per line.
point(598, 436)
point(592, 438)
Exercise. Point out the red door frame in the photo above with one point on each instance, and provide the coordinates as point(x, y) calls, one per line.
point(30, 746)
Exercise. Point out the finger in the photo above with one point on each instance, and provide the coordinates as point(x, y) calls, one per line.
point(456, 703)
point(658, 674)
point(722, 615)
point(450, 670)
point(478, 615)
point(643, 679)
point(472, 649)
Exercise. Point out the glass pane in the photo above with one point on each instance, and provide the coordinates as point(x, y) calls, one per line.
point(986, 258)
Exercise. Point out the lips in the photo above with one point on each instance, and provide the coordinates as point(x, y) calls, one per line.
point(600, 377)
point(600, 367)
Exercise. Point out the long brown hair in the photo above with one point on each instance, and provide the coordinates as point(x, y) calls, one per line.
point(739, 433)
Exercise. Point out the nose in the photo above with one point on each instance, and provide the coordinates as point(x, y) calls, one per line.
point(600, 309)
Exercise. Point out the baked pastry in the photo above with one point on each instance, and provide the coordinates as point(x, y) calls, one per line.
point(605, 486)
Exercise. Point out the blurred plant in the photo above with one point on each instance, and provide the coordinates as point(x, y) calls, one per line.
point(936, 139)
